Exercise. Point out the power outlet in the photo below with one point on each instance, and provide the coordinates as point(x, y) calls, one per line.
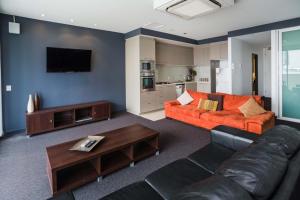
point(8, 88)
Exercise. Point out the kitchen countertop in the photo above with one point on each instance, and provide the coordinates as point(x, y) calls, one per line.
point(176, 82)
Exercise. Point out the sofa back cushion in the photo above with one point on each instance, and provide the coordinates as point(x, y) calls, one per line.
point(197, 96)
point(218, 98)
point(286, 136)
point(258, 168)
point(233, 102)
point(214, 187)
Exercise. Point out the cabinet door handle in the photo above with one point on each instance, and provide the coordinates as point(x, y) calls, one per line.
point(51, 121)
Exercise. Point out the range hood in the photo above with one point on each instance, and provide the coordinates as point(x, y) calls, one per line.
point(189, 9)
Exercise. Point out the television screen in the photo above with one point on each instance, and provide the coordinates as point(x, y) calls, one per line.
point(68, 60)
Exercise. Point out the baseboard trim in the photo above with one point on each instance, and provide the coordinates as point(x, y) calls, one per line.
point(10, 133)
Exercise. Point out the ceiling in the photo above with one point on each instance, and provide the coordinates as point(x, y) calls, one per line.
point(260, 39)
point(126, 15)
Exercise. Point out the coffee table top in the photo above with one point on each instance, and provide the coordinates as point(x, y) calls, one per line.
point(59, 156)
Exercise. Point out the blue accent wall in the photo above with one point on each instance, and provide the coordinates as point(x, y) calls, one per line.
point(24, 67)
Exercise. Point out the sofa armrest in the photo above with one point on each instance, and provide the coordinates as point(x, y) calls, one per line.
point(232, 138)
point(171, 103)
point(260, 119)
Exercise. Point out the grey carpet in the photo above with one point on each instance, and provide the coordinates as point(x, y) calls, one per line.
point(23, 161)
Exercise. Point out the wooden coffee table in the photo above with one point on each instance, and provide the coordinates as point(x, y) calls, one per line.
point(120, 148)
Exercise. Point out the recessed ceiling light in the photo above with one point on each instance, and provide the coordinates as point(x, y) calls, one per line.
point(72, 20)
point(95, 24)
point(43, 15)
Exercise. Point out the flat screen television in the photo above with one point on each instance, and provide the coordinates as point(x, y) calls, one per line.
point(68, 60)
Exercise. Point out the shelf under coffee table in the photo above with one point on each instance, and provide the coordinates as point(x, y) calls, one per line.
point(120, 148)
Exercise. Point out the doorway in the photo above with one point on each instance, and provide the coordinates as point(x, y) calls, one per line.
point(254, 74)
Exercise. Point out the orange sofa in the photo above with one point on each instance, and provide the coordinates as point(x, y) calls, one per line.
point(229, 116)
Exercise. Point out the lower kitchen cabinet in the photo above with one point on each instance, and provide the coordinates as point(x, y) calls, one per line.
point(154, 100)
point(191, 86)
point(149, 101)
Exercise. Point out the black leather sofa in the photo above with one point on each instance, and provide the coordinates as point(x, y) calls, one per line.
point(236, 165)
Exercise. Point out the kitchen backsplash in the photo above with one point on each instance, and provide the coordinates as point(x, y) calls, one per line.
point(171, 73)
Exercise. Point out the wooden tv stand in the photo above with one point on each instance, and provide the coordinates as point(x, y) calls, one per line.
point(55, 118)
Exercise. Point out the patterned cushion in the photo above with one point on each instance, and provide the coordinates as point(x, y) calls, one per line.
point(207, 105)
point(218, 98)
point(251, 108)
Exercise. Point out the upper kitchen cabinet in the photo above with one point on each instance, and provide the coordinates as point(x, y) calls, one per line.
point(218, 51)
point(147, 48)
point(201, 55)
point(169, 54)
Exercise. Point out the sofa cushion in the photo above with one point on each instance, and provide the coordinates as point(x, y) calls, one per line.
point(286, 136)
point(135, 191)
point(211, 156)
point(213, 188)
point(258, 168)
point(218, 98)
point(205, 104)
point(188, 110)
point(185, 98)
point(251, 108)
point(197, 96)
point(233, 102)
point(232, 138)
point(173, 177)
point(224, 117)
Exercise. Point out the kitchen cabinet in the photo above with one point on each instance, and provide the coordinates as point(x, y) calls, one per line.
point(169, 54)
point(147, 48)
point(149, 101)
point(166, 93)
point(218, 51)
point(154, 100)
point(191, 86)
point(201, 55)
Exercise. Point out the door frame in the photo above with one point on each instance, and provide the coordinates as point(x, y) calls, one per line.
point(281, 31)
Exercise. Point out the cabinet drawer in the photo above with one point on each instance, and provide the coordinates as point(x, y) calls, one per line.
point(39, 123)
point(101, 111)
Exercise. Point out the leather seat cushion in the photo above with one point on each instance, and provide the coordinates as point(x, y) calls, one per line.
point(211, 156)
point(173, 177)
point(286, 136)
point(135, 191)
point(258, 168)
point(213, 188)
point(188, 110)
point(229, 118)
point(232, 138)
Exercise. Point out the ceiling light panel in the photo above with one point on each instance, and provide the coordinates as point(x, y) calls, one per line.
point(191, 8)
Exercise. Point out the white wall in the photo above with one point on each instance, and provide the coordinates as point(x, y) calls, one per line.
point(241, 61)
point(223, 78)
point(267, 72)
point(203, 72)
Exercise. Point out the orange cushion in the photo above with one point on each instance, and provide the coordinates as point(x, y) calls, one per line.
point(233, 102)
point(225, 118)
point(197, 96)
point(187, 110)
